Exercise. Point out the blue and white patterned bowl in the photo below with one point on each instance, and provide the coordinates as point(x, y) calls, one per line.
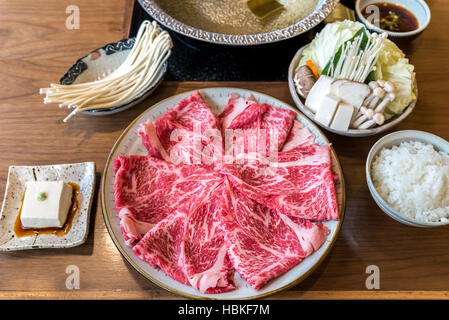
point(100, 63)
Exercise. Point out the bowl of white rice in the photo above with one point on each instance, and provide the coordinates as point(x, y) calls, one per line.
point(408, 176)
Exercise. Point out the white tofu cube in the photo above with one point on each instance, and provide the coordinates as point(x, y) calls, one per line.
point(350, 92)
point(321, 87)
point(46, 204)
point(326, 109)
point(342, 117)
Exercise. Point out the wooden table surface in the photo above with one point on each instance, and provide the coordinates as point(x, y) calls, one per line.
point(36, 49)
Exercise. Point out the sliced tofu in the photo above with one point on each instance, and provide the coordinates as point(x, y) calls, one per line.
point(326, 109)
point(321, 87)
point(46, 204)
point(350, 92)
point(342, 117)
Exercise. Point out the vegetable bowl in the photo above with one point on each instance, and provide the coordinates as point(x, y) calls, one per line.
point(352, 82)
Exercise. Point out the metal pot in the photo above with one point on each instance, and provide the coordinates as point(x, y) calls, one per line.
point(321, 11)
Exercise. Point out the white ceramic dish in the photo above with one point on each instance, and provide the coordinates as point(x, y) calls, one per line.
point(82, 174)
point(100, 63)
point(388, 141)
point(351, 132)
point(418, 7)
point(130, 143)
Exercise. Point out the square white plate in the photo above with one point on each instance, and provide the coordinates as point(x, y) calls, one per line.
point(82, 174)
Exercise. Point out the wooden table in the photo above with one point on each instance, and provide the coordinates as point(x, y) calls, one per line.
point(37, 49)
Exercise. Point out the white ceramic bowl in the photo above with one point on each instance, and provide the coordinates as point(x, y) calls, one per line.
point(418, 7)
point(390, 123)
point(389, 141)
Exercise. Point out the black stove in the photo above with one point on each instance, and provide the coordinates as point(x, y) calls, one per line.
point(194, 60)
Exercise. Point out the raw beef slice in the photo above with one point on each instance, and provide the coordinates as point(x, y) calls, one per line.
point(240, 121)
point(147, 190)
point(240, 113)
point(298, 136)
point(188, 133)
point(249, 127)
point(189, 244)
point(276, 123)
point(162, 245)
point(298, 182)
point(262, 243)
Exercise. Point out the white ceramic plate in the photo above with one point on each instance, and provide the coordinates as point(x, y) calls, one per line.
point(390, 123)
point(129, 143)
point(83, 174)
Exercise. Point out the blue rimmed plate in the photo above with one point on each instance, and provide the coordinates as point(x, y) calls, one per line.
point(101, 62)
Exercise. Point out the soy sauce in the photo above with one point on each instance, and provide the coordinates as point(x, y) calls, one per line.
point(393, 17)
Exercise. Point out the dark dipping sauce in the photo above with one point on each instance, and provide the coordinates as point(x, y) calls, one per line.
point(393, 17)
point(20, 231)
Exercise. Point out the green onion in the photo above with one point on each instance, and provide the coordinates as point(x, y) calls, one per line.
point(42, 196)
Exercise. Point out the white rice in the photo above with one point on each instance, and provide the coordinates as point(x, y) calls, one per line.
point(413, 178)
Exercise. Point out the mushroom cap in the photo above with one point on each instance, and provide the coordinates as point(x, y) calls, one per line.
point(389, 86)
point(379, 118)
point(373, 85)
point(379, 92)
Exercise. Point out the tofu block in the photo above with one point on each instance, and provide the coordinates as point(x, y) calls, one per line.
point(46, 204)
point(350, 92)
point(326, 109)
point(321, 87)
point(342, 117)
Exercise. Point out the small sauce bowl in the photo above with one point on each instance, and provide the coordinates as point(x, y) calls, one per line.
point(418, 8)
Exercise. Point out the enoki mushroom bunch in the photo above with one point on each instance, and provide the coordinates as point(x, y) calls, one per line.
point(354, 63)
point(135, 75)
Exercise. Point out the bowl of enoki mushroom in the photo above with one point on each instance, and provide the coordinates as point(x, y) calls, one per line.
point(115, 77)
